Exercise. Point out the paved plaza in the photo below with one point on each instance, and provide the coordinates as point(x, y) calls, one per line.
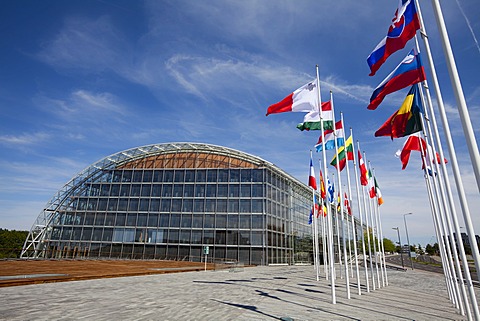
point(256, 293)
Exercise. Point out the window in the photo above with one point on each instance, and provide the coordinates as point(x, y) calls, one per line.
point(211, 190)
point(221, 221)
point(234, 175)
point(179, 176)
point(129, 235)
point(245, 221)
point(212, 175)
point(167, 190)
point(146, 189)
point(118, 235)
point(200, 190)
point(222, 190)
point(178, 190)
point(234, 191)
point(245, 206)
point(245, 190)
point(135, 190)
point(200, 175)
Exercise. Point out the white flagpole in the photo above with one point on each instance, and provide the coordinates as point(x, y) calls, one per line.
point(455, 169)
point(366, 198)
point(329, 216)
point(344, 242)
point(380, 253)
point(447, 252)
point(360, 214)
point(374, 227)
point(351, 207)
point(448, 210)
point(381, 237)
point(453, 156)
point(324, 230)
point(458, 90)
point(315, 229)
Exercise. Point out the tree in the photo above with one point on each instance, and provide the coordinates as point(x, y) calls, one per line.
point(432, 250)
point(11, 243)
point(388, 245)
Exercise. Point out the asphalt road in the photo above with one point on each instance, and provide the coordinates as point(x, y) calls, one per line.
point(397, 260)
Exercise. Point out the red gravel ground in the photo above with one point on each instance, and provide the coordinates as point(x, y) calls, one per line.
point(72, 270)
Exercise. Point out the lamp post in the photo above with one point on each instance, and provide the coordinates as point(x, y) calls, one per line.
point(408, 241)
point(400, 243)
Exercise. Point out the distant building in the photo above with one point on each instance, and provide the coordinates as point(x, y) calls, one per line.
point(170, 201)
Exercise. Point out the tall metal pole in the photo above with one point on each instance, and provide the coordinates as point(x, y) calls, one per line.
point(408, 240)
point(457, 89)
point(400, 243)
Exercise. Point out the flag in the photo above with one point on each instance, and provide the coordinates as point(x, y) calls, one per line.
point(331, 191)
point(371, 185)
point(312, 182)
point(417, 143)
point(323, 193)
point(414, 142)
point(330, 135)
point(404, 26)
point(310, 217)
point(322, 210)
point(311, 121)
point(340, 159)
point(347, 204)
point(378, 192)
point(339, 203)
point(409, 72)
point(406, 120)
point(304, 99)
point(363, 170)
point(430, 159)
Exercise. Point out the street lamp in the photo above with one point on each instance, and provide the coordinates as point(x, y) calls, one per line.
point(408, 241)
point(400, 243)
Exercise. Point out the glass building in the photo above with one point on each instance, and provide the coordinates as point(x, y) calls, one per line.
point(170, 201)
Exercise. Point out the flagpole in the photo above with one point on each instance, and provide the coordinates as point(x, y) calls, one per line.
point(458, 90)
point(450, 207)
point(344, 242)
point(381, 237)
point(351, 206)
point(453, 158)
point(360, 214)
point(366, 200)
point(441, 244)
point(315, 231)
point(379, 231)
point(374, 228)
point(440, 212)
point(324, 231)
point(329, 218)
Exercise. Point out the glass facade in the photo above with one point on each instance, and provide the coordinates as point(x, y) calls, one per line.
point(169, 201)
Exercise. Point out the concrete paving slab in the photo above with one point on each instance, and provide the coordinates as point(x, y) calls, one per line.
point(257, 293)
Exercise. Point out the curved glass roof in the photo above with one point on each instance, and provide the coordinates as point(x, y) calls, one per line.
point(149, 156)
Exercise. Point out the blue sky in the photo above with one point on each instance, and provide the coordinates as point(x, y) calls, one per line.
point(81, 80)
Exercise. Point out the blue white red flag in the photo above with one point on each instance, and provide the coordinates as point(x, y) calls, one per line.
point(312, 182)
point(404, 26)
point(330, 136)
point(409, 72)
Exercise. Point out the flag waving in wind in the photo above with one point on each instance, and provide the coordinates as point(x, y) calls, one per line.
point(404, 26)
point(304, 99)
point(344, 153)
point(409, 72)
point(406, 120)
point(414, 142)
point(330, 136)
point(312, 182)
point(311, 121)
point(363, 170)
